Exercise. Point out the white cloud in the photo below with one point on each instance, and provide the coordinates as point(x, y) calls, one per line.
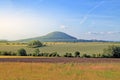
point(63, 27)
point(103, 33)
point(110, 32)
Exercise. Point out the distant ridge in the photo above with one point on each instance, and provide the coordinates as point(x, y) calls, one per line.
point(56, 36)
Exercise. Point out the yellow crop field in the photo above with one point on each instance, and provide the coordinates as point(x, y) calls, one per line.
point(59, 71)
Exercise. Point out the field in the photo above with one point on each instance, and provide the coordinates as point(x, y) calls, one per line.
point(59, 71)
point(61, 48)
point(42, 68)
point(58, 60)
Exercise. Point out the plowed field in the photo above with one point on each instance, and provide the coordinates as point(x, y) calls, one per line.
point(62, 60)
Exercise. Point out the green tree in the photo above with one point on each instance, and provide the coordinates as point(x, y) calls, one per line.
point(113, 51)
point(54, 54)
point(36, 52)
point(68, 55)
point(94, 55)
point(35, 44)
point(77, 54)
point(22, 52)
point(86, 56)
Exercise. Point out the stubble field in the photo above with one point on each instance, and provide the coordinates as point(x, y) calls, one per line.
point(59, 71)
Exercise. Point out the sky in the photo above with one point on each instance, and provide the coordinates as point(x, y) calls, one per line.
point(83, 19)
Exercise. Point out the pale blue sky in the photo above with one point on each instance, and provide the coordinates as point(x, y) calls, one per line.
point(84, 19)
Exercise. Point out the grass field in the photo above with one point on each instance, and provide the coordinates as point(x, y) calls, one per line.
point(59, 71)
point(62, 48)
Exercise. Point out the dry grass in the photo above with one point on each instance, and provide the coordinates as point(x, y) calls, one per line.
point(23, 57)
point(59, 71)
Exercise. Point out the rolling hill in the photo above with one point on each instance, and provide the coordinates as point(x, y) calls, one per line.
point(53, 37)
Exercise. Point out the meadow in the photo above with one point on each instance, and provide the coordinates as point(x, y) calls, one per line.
point(59, 71)
point(61, 48)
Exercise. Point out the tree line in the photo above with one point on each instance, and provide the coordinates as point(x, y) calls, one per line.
point(110, 52)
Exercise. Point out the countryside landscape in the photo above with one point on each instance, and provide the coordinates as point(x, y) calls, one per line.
point(59, 40)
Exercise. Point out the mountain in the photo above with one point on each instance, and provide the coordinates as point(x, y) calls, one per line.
point(53, 37)
point(59, 37)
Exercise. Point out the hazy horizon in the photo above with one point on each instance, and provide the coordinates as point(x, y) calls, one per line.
point(83, 19)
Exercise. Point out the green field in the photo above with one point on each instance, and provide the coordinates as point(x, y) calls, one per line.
point(61, 48)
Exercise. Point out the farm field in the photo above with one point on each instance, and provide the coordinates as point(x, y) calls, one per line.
point(58, 60)
point(59, 71)
point(62, 48)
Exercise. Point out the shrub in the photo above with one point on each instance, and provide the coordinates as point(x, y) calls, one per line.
point(7, 43)
point(0, 53)
point(86, 56)
point(54, 54)
point(29, 54)
point(99, 55)
point(44, 54)
point(14, 54)
point(77, 54)
point(22, 52)
point(68, 55)
point(94, 55)
point(106, 56)
point(113, 51)
point(34, 44)
point(36, 52)
point(5, 53)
